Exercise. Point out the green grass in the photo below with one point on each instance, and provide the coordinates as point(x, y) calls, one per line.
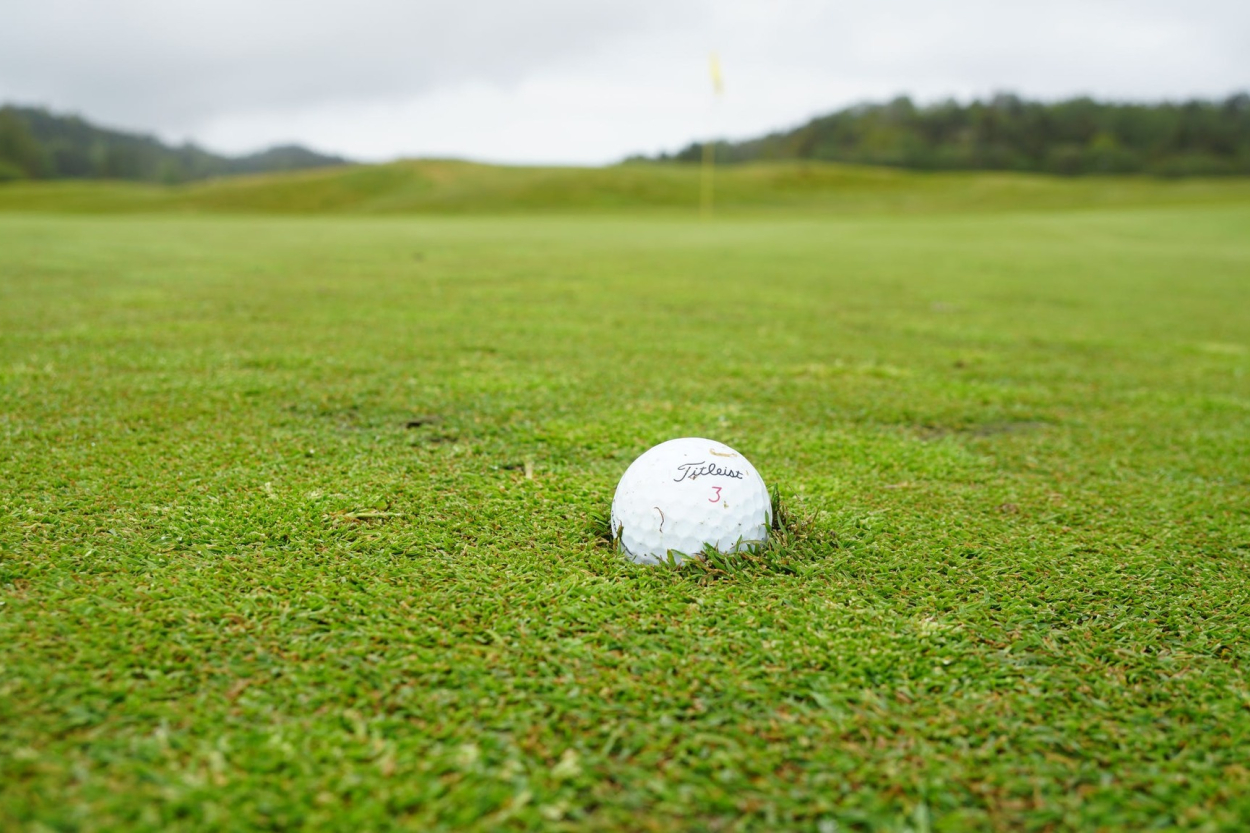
point(449, 187)
point(270, 557)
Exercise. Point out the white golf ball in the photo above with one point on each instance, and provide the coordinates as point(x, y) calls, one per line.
point(684, 494)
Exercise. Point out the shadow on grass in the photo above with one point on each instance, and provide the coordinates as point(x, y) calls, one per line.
point(794, 540)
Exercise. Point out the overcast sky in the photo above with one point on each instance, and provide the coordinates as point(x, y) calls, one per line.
point(582, 81)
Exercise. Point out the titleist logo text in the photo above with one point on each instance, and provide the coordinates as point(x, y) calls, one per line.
point(689, 471)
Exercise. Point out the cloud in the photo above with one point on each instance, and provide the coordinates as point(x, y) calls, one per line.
point(187, 60)
point(582, 81)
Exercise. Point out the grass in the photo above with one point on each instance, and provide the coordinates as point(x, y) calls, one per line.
point(298, 522)
point(448, 187)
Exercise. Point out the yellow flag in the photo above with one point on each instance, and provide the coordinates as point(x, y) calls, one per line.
point(718, 84)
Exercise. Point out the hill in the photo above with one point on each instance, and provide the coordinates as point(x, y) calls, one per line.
point(452, 187)
point(1079, 136)
point(37, 144)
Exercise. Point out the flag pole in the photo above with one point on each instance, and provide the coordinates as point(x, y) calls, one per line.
point(707, 190)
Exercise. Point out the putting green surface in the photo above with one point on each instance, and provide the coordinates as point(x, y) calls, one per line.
point(297, 522)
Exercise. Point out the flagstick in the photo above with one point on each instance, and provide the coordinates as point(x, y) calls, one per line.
point(707, 189)
point(707, 186)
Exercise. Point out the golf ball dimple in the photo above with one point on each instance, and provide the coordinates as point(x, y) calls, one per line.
point(684, 494)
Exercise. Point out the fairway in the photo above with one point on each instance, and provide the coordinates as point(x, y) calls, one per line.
point(300, 521)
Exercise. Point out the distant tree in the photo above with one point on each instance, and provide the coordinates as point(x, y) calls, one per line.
point(36, 143)
point(1005, 132)
point(21, 156)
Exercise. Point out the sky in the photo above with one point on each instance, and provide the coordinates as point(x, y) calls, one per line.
point(582, 81)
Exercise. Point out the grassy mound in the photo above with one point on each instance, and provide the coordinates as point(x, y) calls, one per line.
point(449, 187)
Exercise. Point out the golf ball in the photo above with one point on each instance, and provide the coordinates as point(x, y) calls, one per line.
point(683, 494)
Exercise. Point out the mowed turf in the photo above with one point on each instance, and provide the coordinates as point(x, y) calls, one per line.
point(298, 522)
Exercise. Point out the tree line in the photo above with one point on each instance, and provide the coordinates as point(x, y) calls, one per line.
point(37, 144)
point(1007, 133)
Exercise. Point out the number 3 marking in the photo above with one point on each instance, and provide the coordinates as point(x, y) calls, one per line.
point(714, 499)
